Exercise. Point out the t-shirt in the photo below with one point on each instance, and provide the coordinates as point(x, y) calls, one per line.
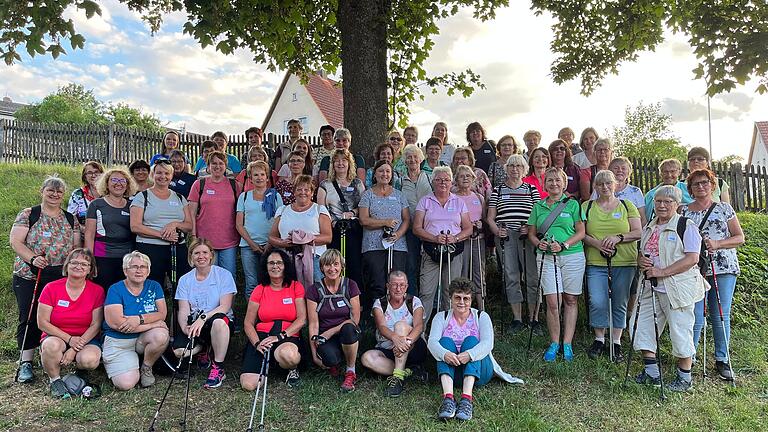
point(392, 316)
point(72, 316)
point(414, 191)
point(352, 195)
point(182, 184)
point(601, 224)
point(53, 237)
point(485, 156)
point(233, 164)
point(573, 173)
point(144, 303)
point(113, 237)
point(276, 305)
point(329, 317)
point(513, 206)
point(537, 183)
point(325, 164)
point(446, 156)
point(581, 160)
point(439, 218)
point(474, 203)
point(206, 294)
point(564, 225)
point(254, 218)
point(159, 213)
point(497, 173)
point(379, 207)
point(320, 153)
point(458, 332)
point(307, 221)
point(215, 219)
point(726, 261)
point(629, 193)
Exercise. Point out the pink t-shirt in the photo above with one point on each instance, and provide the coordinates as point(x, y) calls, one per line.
point(216, 219)
point(276, 305)
point(72, 316)
point(460, 332)
point(474, 203)
point(439, 218)
point(534, 181)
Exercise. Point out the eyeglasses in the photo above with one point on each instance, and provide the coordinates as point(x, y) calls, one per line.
point(118, 181)
point(275, 263)
point(561, 149)
point(80, 264)
point(515, 166)
point(442, 180)
point(395, 139)
point(602, 150)
point(136, 267)
point(664, 202)
point(701, 184)
point(697, 159)
point(54, 192)
point(462, 299)
point(92, 173)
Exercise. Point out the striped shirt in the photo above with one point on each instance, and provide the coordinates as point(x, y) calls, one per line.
point(513, 206)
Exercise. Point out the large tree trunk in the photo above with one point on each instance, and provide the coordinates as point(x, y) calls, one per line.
point(363, 28)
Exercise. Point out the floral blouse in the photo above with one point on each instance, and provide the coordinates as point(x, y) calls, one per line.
point(52, 237)
point(726, 261)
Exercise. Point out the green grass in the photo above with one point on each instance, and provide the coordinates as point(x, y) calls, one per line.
point(582, 396)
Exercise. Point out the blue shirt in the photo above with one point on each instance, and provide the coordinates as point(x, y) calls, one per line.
point(182, 184)
point(650, 210)
point(144, 303)
point(233, 163)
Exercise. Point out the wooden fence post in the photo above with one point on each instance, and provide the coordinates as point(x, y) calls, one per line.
point(739, 186)
point(2, 138)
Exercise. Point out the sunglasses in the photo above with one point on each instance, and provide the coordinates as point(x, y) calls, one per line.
point(163, 161)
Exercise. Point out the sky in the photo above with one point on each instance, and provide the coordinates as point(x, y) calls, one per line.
point(201, 90)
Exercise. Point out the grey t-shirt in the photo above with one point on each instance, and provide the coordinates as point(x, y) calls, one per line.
point(206, 294)
point(159, 212)
point(352, 194)
point(389, 207)
point(113, 237)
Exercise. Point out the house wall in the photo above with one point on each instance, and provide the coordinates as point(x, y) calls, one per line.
point(295, 102)
point(760, 155)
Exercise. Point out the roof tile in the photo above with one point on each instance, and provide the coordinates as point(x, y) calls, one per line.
point(328, 96)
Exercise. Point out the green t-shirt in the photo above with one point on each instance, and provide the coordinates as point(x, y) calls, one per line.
point(601, 224)
point(563, 227)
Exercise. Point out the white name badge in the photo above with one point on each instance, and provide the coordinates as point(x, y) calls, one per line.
point(173, 203)
point(63, 303)
point(486, 151)
point(350, 188)
point(570, 178)
point(564, 215)
point(476, 202)
point(46, 234)
point(671, 237)
point(287, 194)
point(340, 303)
point(288, 300)
point(506, 197)
point(149, 308)
point(210, 192)
point(617, 215)
point(392, 198)
point(182, 182)
point(173, 183)
point(124, 213)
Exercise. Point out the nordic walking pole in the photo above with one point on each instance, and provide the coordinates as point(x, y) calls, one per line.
point(449, 248)
point(183, 422)
point(538, 301)
point(704, 341)
point(29, 317)
point(502, 269)
point(662, 396)
point(343, 229)
point(258, 389)
point(722, 323)
point(264, 396)
point(441, 250)
point(608, 257)
point(557, 292)
point(634, 328)
point(188, 348)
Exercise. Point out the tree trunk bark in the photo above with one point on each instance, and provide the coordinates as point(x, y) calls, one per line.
point(363, 28)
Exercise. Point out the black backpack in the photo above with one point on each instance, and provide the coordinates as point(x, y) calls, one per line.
point(342, 294)
point(408, 303)
point(36, 211)
point(202, 188)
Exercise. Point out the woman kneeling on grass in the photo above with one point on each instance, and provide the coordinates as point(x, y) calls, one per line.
point(461, 340)
point(399, 321)
point(69, 315)
point(333, 311)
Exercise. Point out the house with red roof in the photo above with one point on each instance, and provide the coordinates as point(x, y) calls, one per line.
point(315, 103)
point(758, 152)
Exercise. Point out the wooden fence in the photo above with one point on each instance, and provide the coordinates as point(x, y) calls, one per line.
point(115, 145)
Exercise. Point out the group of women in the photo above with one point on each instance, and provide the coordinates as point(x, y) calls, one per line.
point(398, 247)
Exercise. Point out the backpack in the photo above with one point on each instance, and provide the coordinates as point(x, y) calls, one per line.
point(202, 188)
point(385, 303)
point(589, 207)
point(330, 298)
point(704, 258)
point(79, 387)
point(36, 211)
point(145, 194)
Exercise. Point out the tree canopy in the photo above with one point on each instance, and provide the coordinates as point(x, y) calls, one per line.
point(647, 133)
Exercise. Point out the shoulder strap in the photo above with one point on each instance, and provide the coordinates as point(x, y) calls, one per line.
point(589, 207)
point(552, 216)
point(682, 222)
point(409, 303)
point(384, 301)
point(342, 200)
point(720, 182)
point(233, 185)
point(34, 215)
point(70, 218)
point(323, 295)
point(706, 215)
point(624, 203)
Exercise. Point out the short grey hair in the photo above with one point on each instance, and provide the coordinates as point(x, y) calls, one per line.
point(54, 182)
point(604, 176)
point(517, 159)
point(603, 142)
point(397, 273)
point(669, 191)
point(342, 133)
point(136, 254)
point(413, 149)
point(442, 169)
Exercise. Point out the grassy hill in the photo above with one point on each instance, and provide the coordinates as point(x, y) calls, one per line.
point(583, 396)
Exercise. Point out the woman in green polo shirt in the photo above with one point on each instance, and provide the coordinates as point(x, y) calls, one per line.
point(613, 227)
point(558, 240)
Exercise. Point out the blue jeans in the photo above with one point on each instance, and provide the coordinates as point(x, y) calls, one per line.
point(413, 262)
point(727, 285)
point(597, 283)
point(250, 260)
point(227, 258)
point(481, 369)
point(317, 275)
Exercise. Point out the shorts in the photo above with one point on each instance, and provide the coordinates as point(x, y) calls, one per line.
point(252, 358)
point(181, 340)
point(121, 355)
point(331, 352)
point(416, 355)
point(95, 341)
point(570, 274)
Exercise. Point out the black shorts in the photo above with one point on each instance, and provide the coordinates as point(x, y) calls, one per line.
point(181, 340)
point(416, 356)
point(331, 352)
point(252, 358)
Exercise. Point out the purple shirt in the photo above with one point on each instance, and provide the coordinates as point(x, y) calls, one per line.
point(442, 218)
point(328, 317)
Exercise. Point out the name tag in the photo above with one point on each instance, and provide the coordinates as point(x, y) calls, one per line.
point(506, 197)
point(173, 183)
point(392, 198)
point(340, 303)
point(63, 303)
point(173, 203)
point(486, 151)
point(182, 182)
point(124, 213)
point(564, 215)
point(671, 237)
point(210, 192)
point(150, 307)
point(350, 188)
point(46, 234)
point(570, 178)
point(617, 215)
point(287, 194)
point(476, 202)
point(288, 301)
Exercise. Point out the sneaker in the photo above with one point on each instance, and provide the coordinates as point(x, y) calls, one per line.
point(419, 373)
point(568, 352)
point(293, 379)
point(59, 389)
point(334, 371)
point(394, 387)
point(516, 327)
point(596, 350)
point(680, 385)
point(725, 371)
point(464, 410)
point(349, 382)
point(203, 360)
point(551, 353)
point(447, 409)
point(538, 329)
point(618, 356)
point(26, 373)
point(215, 377)
point(147, 379)
point(644, 378)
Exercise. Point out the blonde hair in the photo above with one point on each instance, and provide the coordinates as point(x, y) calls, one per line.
point(351, 166)
point(102, 187)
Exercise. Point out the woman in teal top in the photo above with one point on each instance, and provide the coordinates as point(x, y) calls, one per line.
point(559, 243)
point(613, 227)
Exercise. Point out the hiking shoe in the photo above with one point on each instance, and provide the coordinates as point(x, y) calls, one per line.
point(538, 329)
point(394, 387)
point(596, 350)
point(725, 371)
point(203, 360)
point(26, 373)
point(568, 352)
point(147, 378)
point(516, 327)
point(680, 385)
point(618, 356)
point(334, 371)
point(419, 373)
point(293, 379)
point(349, 382)
point(215, 377)
point(644, 378)
point(447, 409)
point(59, 389)
point(464, 410)
point(551, 353)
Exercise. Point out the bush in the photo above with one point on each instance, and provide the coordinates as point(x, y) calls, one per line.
point(751, 298)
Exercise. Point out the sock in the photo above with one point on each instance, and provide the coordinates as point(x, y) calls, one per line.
point(448, 396)
point(351, 369)
point(685, 374)
point(600, 339)
point(54, 378)
point(617, 341)
point(466, 396)
point(399, 374)
point(219, 364)
point(651, 367)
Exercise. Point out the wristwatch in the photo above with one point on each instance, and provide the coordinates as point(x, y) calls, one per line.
point(564, 245)
point(202, 316)
point(141, 319)
point(621, 237)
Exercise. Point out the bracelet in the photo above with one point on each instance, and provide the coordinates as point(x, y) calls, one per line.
point(69, 341)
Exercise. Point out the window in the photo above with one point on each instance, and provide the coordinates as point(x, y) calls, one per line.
point(294, 98)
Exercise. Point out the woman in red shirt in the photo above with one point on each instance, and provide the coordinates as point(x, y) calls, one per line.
point(69, 315)
point(276, 313)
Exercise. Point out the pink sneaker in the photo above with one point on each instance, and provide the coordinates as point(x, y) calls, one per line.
point(349, 382)
point(215, 377)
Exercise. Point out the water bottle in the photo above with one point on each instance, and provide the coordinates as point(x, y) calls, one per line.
point(87, 391)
